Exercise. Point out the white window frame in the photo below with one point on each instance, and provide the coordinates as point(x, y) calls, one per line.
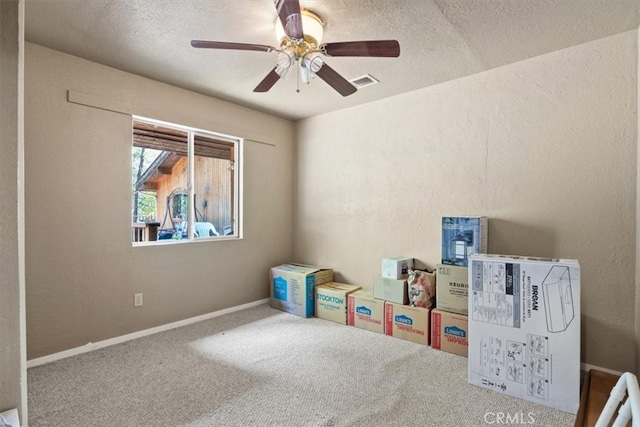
point(237, 219)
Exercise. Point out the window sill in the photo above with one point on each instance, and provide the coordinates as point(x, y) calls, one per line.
point(169, 242)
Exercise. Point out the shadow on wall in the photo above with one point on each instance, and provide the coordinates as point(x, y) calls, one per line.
point(420, 265)
point(515, 238)
point(618, 339)
point(340, 278)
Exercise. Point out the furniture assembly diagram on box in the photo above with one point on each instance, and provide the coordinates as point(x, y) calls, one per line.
point(558, 300)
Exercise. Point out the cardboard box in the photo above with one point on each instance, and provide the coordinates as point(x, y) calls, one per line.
point(463, 237)
point(396, 268)
point(407, 323)
point(365, 312)
point(331, 301)
point(394, 290)
point(292, 287)
point(524, 328)
point(450, 332)
point(452, 288)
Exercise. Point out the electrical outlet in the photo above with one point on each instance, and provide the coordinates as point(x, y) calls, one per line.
point(137, 300)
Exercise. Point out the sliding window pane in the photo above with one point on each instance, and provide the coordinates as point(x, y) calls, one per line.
point(160, 172)
point(214, 176)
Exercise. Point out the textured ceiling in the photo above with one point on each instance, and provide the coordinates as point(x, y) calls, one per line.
point(440, 40)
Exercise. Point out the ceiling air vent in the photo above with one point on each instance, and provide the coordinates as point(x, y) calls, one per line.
point(363, 81)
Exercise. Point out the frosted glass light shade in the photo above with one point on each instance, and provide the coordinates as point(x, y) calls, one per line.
point(312, 27)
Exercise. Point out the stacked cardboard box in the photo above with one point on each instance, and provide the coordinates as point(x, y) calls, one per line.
point(367, 308)
point(391, 285)
point(407, 322)
point(331, 301)
point(393, 315)
point(396, 268)
point(292, 287)
point(306, 291)
point(449, 332)
point(365, 311)
point(387, 289)
point(452, 292)
point(452, 298)
point(461, 238)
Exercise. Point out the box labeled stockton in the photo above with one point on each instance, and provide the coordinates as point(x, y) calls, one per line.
point(450, 332)
point(365, 312)
point(331, 301)
point(452, 288)
point(396, 268)
point(407, 323)
point(462, 237)
point(524, 328)
point(292, 287)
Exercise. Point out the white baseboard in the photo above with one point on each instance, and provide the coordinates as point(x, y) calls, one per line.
point(123, 338)
point(128, 337)
point(586, 367)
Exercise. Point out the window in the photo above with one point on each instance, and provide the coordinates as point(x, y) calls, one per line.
point(185, 183)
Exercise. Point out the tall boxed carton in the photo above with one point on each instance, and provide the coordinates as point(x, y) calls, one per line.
point(396, 268)
point(452, 288)
point(462, 237)
point(394, 290)
point(292, 287)
point(365, 312)
point(331, 301)
point(524, 328)
point(407, 323)
point(450, 332)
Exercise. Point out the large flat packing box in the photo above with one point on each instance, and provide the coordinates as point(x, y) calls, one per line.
point(331, 301)
point(365, 311)
point(524, 328)
point(292, 287)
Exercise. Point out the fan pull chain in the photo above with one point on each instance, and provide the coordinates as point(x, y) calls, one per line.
point(298, 79)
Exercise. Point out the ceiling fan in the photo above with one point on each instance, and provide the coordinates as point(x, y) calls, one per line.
point(302, 44)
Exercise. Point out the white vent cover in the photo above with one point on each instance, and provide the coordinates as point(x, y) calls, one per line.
point(363, 81)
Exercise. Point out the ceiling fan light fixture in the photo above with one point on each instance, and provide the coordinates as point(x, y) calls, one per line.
point(300, 42)
point(312, 26)
point(309, 66)
point(284, 62)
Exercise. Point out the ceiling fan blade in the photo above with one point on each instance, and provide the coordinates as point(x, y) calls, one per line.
point(228, 45)
point(335, 80)
point(268, 82)
point(290, 17)
point(378, 48)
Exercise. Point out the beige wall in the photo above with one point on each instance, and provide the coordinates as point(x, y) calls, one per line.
point(82, 271)
point(637, 299)
point(545, 147)
point(12, 358)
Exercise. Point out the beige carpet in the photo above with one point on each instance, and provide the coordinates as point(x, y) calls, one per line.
point(263, 367)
